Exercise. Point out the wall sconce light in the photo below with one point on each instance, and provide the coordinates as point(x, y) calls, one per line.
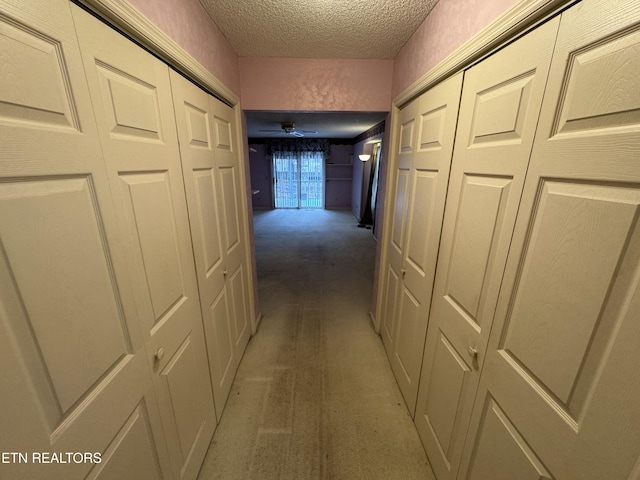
point(364, 157)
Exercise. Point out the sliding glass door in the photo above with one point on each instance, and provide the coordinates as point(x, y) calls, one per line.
point(298, 179)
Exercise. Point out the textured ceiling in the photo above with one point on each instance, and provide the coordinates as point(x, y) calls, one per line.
point(318, 28)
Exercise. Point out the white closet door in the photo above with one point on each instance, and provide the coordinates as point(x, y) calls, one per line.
point(232, 202)
point(427, 180)
point(131, 96)
point(195, 119)
point(558, 397)
point(498, 116)
point(399, 203)
point(75, 377)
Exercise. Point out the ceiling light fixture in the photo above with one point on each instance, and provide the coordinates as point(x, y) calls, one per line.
point(364, 157)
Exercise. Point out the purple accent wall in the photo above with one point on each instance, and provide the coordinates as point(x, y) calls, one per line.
point(338, 177)
point(261, 178)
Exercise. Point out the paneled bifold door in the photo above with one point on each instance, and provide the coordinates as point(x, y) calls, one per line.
point(426, 133)
point(101, 336)
point(212, 179)
point(131, 96)
point(558, 396)
point(498, 116)
point(76, 372)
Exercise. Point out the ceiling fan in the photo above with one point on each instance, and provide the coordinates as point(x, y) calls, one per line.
point(290, 129)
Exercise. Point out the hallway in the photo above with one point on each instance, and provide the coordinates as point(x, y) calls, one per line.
point(314, 396)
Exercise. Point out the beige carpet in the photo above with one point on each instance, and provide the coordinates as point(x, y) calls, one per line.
point(314, 397)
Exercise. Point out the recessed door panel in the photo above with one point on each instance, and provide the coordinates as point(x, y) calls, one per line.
point(220, 336)
point(500, 111)
point(35, 86)
point(399, 213)
point(432, 128)
point(223, 134)
point(480, 215)
point(131, 104)
point(388, 323)
point(198, 130)
point(442, 404)
point(572, 222)
point(62, 269)
point(407, 138)
point(501, 453)
point(181, 381)
point(238, 296)
point(408, 322)
point(421, 220)
point(587, 103)
point(155, 229)
point(131, 455)
point(211, 254)
point(229, 199)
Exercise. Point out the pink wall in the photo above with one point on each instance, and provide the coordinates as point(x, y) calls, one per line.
point(187, 23)
point(315, 84)
point(450, 24)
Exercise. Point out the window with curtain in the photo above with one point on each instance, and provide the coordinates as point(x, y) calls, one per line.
point(298, 167)
point(298, 179)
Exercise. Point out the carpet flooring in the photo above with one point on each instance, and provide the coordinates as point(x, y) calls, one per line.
point(314, 396)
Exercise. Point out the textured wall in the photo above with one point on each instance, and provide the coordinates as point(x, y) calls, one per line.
point(450, 24)
point(187, 23)
point(315, 84)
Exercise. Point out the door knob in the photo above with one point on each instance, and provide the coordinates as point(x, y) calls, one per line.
point(403, 272)
point(224, 273)
point(473, 352)
point(159, 353)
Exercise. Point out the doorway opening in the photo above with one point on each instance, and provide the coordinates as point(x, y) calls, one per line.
point(298, 179)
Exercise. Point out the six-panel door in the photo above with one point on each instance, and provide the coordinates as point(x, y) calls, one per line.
point(75, 376)
point(558, 397)
point(131, 95)
point(196, 119)
point(428, 177)
point(498, 116)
